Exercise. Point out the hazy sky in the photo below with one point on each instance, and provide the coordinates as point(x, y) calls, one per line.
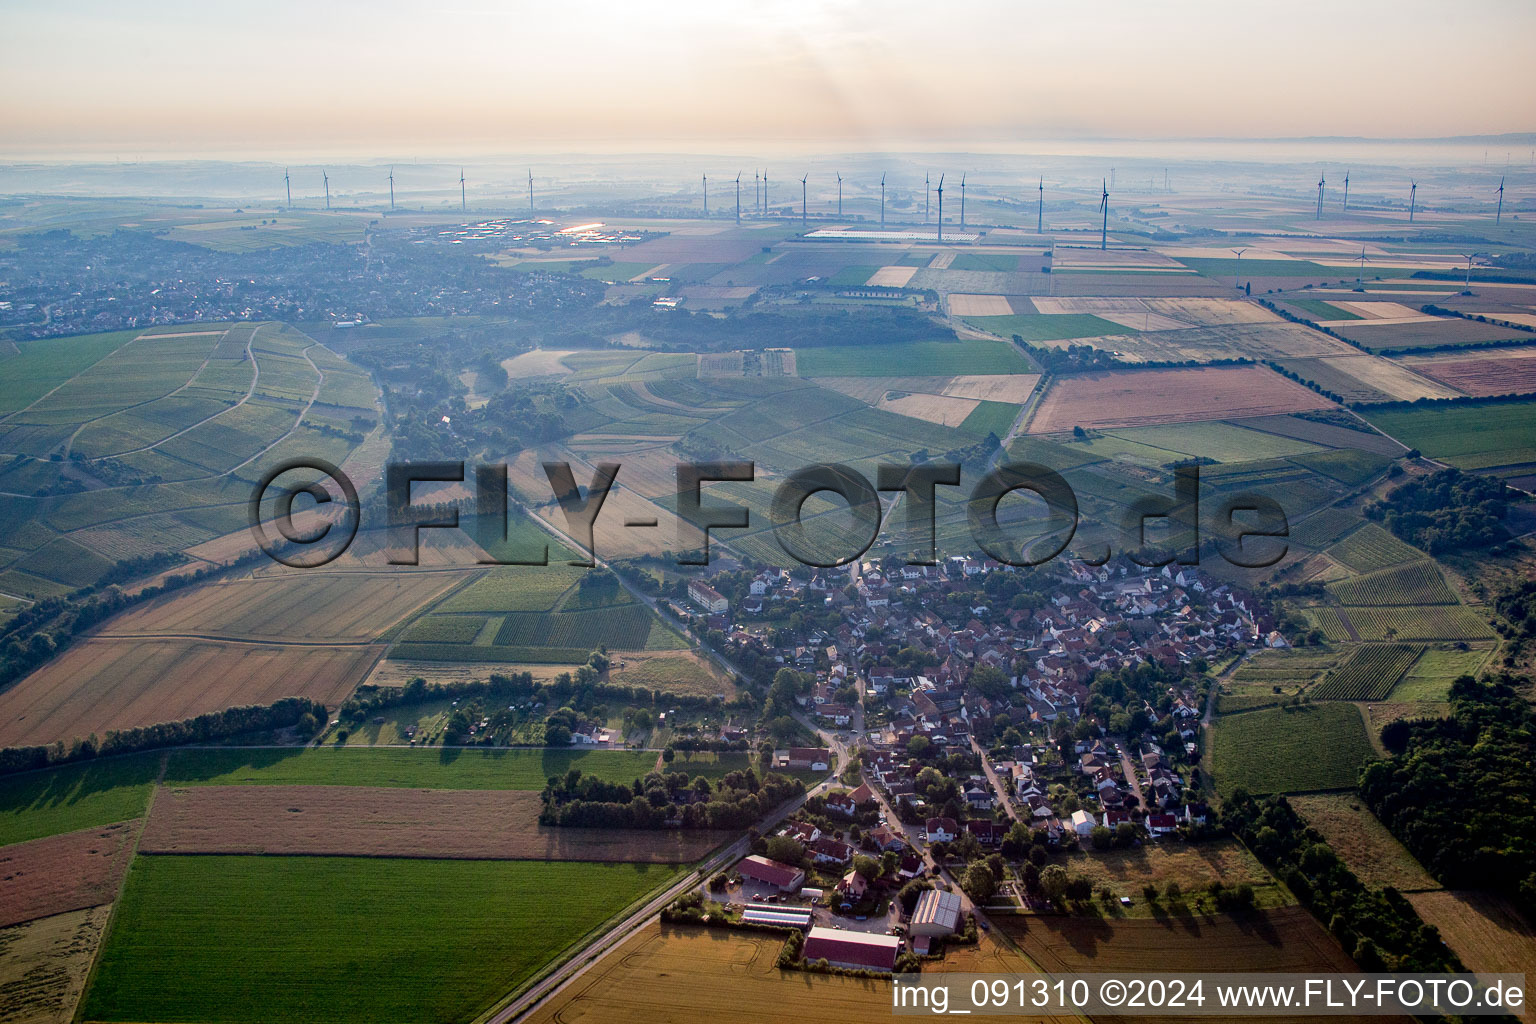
point(198, 77)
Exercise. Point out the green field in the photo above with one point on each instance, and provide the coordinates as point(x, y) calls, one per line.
point(46, 363)
point(1219, 441)
point(402, 767)
point(1287, 750)
point(1415, 583)
point(1305, 269)
point(1269, 677)
point(47, 803)
point(1430, 678)
point(1369, 673)
point(1046, 327)
point(1318, 309)
point(913, 358)
point(990, 418)
point(275, 939)
point(1471, 435)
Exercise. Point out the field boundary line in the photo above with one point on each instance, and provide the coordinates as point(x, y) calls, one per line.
point(111, 921)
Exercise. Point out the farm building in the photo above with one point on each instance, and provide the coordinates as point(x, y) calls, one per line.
point(937, 913)
point(707, 597)
point(816, 759)
point(789, 916)
point(771, 872)
point(852, 949)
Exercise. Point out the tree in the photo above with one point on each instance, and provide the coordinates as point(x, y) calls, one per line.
point(867, 867)
point(668, 754)
point(1053, 882)
point(1101, 837)
point(1125, 834)
point(786, 850)
point(918, 746)
point(889, 862)
point(909, 894)
point(980, 884)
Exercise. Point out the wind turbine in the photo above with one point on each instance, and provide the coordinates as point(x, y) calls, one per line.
point(1346, 190)
point(530, 191)
point(326, 178)
point(1469, 258)
point(839, 195)
point(927, 192)
point(1360, 274)
point(802, 198)
point(392, 187)
point(941, 208)
point(882, 201)
point(1040, 210)
point(738, 197)
point(757, 192)
point(1498, 216)
point(1237, 277)
point(765, 191)
point(706, 195)
point(1104, 228)
point(1321, 181)
point(288, 186)
point(1413, 198)
point(463, 195)
point(962, 201)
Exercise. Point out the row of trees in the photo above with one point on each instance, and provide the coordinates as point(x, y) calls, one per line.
point(665, 800)
point(299, 713)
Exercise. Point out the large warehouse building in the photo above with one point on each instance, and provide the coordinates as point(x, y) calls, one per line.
point(853, 949)
point(937, 914)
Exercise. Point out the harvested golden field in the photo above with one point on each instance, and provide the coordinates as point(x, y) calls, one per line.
point(976, 305)
point(1014, 388)
point(1129, 398)
point(361, 821)
point(1364, 844)
point(1189, 312)
point(105, 684)
point(945, 411)
point(1285, 939)
point(311, 604)
point(1513, 372)
point(666, 973)
point(62, 873)
point(44, 964)
point(891, 277)
point(538, 363)
point(683, 672)
point(1482, 929)
point(1389, 377)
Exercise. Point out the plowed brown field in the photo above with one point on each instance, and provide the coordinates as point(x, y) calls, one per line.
point(1137, 398)
point(104, 684)
point(62, 873)
point(359, 821)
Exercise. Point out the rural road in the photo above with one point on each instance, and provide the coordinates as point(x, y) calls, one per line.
point(582, 961)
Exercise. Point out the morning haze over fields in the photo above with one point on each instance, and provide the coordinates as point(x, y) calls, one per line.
point(1187, 354)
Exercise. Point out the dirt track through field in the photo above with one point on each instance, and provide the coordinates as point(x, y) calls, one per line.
point(359, 821)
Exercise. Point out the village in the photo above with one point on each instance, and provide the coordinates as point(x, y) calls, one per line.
point(1061, 714)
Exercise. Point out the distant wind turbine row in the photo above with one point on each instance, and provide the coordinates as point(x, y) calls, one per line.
point(762, 204)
